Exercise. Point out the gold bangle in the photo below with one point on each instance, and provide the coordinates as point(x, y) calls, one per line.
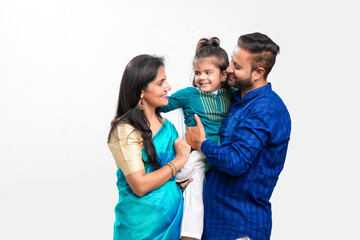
point(173, 168)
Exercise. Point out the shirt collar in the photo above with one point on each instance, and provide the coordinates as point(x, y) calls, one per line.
point(253, 93)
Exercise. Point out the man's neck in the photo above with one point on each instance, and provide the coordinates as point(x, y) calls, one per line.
point(257, 84)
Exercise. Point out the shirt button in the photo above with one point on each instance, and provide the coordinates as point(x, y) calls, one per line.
point(230, 114)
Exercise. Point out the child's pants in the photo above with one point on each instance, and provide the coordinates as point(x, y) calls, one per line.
point(193, 215)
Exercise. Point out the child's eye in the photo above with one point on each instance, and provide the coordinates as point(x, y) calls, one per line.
point(208, 72)
point(197, 73)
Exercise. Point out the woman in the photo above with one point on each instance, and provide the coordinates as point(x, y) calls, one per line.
point(148, 153)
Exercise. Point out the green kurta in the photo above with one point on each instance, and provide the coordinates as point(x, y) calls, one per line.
point(211, 108)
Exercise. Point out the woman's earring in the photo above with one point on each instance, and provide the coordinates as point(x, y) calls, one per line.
point(140, 105)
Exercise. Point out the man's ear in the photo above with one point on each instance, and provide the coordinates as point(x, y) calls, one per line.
point(258, 73)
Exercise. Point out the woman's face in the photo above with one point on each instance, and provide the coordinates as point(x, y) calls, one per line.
point(155, 94)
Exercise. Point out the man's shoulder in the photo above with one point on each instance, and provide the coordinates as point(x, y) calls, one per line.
point(269, 102)
point(276, 102)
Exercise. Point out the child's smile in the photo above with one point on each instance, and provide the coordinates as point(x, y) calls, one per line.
point(208, 76)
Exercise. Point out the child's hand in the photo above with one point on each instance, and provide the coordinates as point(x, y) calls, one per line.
point(184, 184)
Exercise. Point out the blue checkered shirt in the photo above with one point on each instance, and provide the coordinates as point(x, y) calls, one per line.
point(254, 140)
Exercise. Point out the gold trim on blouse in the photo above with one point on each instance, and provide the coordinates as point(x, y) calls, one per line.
point(125, 145)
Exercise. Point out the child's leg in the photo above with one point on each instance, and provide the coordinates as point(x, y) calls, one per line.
point(190, 166)
point(193, 216)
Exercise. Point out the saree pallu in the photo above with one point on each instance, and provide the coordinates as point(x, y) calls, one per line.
point(156, 215)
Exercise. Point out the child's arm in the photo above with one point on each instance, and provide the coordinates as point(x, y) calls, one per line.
point(177, 100)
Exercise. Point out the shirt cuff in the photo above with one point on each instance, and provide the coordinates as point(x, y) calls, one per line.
point(206, 146)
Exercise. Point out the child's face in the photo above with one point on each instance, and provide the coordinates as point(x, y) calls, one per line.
point(208, 76)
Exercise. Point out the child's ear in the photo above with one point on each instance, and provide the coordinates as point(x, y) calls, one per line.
point(223, 76)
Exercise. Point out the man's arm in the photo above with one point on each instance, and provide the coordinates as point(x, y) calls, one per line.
point(236, 157)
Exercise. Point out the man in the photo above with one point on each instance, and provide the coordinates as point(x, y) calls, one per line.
point(254, 140)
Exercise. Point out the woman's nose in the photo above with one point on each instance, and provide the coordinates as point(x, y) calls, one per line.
point(167, 87)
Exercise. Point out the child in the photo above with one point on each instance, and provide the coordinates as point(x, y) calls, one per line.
point(210, 98)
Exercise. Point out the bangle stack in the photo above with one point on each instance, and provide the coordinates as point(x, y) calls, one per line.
point(173, 168)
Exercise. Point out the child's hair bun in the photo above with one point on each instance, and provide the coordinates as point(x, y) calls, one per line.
point(211, 42)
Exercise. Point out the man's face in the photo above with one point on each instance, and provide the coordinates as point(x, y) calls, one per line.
point(239, 70)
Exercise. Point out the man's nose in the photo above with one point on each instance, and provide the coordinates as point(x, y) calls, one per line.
point(230, 68)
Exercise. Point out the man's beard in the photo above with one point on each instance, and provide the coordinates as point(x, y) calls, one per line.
point(243, 84)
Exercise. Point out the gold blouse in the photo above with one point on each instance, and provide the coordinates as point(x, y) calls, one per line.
point(125, 145)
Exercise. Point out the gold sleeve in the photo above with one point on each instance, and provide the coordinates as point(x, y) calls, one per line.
point(125, 145)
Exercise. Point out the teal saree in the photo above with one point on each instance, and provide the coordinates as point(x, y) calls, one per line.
point(156, 215)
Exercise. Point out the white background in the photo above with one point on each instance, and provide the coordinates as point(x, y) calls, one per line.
point(60, 68)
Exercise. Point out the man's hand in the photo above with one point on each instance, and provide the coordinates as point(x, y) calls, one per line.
point(195, 135)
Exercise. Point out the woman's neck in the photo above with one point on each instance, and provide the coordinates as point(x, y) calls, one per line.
point(154, 121)
point(149, 113)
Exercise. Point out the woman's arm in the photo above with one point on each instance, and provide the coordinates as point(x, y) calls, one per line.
point(126, 146)
point(142, 183)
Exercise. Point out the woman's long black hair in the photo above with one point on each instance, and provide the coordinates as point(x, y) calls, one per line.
point(139, 72)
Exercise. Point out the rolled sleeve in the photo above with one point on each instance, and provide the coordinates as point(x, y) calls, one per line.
point(126, 145)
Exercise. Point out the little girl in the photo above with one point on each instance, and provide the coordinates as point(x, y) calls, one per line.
point(210, 98)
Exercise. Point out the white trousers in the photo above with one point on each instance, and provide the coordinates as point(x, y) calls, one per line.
point(193, 214)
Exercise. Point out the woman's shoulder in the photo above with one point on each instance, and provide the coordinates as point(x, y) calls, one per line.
point(125, 130)
point(169, 125)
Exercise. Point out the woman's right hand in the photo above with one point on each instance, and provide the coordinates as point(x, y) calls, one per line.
point(182, 149)
point(141, 182)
